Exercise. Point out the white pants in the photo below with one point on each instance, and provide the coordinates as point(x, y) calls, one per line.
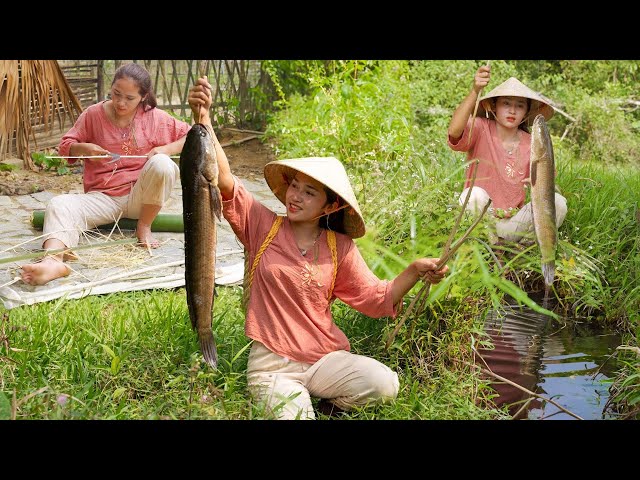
point(68, 215)
point(515, 228)
point(285, 386)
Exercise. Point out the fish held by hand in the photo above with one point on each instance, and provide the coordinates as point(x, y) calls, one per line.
point(201, 205)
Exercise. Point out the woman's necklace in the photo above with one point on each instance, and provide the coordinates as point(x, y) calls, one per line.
point(513, 144)
point(511, 166)
point(311, 274)
point(128, 134)
point(303, 251)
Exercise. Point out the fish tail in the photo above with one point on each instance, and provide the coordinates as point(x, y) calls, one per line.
point(549, 272)
point(208, 347)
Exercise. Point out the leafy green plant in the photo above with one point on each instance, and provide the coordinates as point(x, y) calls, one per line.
point(7, 167)
point(60, 165)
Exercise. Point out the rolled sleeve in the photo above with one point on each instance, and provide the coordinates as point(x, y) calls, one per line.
point(360, 288)
point(76, 134)
point(462, 144)
point(241, 207)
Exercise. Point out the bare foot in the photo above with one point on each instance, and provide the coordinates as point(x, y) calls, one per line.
point(143, 232)
point(49, 268)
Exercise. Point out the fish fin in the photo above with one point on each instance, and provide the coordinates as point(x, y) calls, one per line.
point(216, 200)
point(532, 176)
point(549, 272)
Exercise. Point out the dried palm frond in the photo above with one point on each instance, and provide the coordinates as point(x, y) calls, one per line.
point(32, 93)
point(9, 119)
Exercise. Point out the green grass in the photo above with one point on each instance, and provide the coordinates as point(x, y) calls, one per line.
point(134, 356)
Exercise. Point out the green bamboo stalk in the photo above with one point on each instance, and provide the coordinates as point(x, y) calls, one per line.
point(164, 222)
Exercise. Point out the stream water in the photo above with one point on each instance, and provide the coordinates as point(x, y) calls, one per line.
point(567, 361)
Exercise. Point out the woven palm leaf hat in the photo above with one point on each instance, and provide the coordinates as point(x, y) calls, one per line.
point(327, 170)
point(515, 88)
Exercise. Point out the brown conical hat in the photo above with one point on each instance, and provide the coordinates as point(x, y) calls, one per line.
point(515, 88)
point(326, 170)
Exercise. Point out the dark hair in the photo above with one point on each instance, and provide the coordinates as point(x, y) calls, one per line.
point(523, 125)
point(141, 77)
point(334, 221)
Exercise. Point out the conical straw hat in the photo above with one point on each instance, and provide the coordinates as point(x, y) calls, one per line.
point(326, 170)
point(514, 88)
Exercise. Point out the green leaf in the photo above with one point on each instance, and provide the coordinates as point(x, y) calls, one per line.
point(174, 381)
point(109, 351)
point(5, 407)
point(116, 363)
point(118, 393)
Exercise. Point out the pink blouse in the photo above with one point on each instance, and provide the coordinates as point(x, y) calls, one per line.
point(500, 173)
point(288, 310)
point(152, 128)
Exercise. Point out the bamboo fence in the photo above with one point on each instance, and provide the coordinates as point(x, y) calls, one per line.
point(241, 97)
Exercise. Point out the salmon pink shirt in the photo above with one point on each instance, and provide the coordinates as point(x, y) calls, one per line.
point(288, 310)
point(499, 173)
point(153, 128)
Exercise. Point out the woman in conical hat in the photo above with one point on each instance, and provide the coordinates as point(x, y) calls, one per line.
point(499, 139)
point(297, 266)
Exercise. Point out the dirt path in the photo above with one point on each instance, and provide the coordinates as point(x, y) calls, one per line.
point(247, 160)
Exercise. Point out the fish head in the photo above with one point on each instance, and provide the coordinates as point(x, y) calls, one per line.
point(194, 144)
point(199, 153)
point(541, 146)
point(199, 143)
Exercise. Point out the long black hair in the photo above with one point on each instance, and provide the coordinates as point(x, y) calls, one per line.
point(335, 220)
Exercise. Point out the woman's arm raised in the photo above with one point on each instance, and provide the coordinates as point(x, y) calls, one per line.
point(200, 102)
point(465, 109)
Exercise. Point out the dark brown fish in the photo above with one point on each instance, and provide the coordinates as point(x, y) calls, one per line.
point(201, 203)
point(543, 203)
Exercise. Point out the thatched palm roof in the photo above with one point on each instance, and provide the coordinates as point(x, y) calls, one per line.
point(32, 93)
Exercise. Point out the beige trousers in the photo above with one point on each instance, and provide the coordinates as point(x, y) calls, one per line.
point(68, 215)
point(284, 387)
point(515, 228)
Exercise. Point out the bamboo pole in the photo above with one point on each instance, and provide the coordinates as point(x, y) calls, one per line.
point(164, 222)
point(475, 110)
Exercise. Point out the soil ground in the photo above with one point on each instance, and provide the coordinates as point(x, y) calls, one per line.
point(247, 160)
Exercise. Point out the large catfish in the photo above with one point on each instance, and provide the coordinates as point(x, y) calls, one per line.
point(201, 204)
point(543, 186)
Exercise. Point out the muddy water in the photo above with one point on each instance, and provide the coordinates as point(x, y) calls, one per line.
point(567, 362)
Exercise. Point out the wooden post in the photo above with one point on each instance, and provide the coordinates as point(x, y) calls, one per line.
point(100, 81)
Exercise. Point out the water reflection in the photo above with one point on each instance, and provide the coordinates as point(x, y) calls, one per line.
point(569, 363)
point(576, 371)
